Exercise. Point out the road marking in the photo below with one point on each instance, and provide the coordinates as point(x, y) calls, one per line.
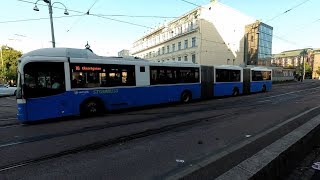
point(10, 144)
point(290, 92)
point(8, 119)
point(10, 98)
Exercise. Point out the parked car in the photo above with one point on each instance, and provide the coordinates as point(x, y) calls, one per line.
point(6, 90)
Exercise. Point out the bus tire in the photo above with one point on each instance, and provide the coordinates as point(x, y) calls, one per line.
point(15, 93)
point(264, 88)
point(235, 92)
point(92, 107)
point(186, 97)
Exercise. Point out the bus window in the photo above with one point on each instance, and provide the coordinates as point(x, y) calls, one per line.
point(173, 75)
point(228, 75)
point(102, 75)
point(43, 79)
point(261, 75)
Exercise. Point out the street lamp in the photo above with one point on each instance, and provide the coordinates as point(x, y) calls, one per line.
point(35, 8)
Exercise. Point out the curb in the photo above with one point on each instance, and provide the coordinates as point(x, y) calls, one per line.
point(280, 157)
point(273, 161)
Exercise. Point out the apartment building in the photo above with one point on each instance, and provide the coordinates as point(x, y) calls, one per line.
point(213, 34)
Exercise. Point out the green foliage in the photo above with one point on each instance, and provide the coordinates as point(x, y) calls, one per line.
point(10, 58)
point(308, 70)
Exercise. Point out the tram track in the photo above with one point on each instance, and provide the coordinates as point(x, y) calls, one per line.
point(108, 142)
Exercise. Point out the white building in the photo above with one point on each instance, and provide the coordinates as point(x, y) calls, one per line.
point(124, 53)
point(209, 35)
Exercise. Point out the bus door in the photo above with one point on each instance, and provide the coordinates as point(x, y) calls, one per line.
point(246, 80)
point(207, 76)
point(44, 90)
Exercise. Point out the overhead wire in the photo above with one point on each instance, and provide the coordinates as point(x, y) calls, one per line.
point(37, 19)
point(290, 9)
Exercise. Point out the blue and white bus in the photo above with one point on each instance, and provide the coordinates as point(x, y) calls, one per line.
point(257, 79)
point(228, 80)
point(58, 82)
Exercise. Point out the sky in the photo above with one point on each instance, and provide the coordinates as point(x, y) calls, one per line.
point(295, 22)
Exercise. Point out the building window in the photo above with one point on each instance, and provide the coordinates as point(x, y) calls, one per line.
point(168, 49)
point(193, 58)
point(194, 42)
point(173, 47)
point(149, 54)
point(162, 50)
point(179, 45)
point(185, 58)
point(186, 43)
point(179, 58)
point(173, 59)
point(158, 51)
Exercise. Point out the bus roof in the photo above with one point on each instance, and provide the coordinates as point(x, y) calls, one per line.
point(259, 68)
point(228, 67)
point(87, 54)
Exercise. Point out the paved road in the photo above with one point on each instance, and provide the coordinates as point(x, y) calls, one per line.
point(148, 143)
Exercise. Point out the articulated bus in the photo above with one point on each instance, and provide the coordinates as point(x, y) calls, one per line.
point(257, 79)
point(59, 82)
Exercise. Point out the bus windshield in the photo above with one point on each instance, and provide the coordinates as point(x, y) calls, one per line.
point(43, 79)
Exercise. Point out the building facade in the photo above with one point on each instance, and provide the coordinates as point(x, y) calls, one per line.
point(294, 59)
point(209, 35)
point(316, 64)
point(259, 44)
point(124, 53)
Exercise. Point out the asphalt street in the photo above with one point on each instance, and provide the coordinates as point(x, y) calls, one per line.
point(148, 143)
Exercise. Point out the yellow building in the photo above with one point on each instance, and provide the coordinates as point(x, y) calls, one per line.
point(213, 34)
point(316, 65)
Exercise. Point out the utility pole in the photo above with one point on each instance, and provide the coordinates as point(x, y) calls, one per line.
point(303, 53)
point(51, 22)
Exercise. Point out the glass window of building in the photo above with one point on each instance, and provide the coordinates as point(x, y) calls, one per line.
point(194, 42)
point(186, 43)
point(173, 47)
point(185, 58)
point(193, 58)
point(173, 59)
point(162, 50)
point(179, 45)
point(179, 58)
point(158, 51)
point(168, 49)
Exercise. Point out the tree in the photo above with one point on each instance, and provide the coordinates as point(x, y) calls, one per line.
point(10, 58)
point(299, 70)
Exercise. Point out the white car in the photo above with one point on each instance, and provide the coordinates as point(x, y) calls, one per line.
point(6, 90)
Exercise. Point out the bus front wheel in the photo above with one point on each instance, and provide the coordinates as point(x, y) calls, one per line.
point(186, 97)
point(91, 107)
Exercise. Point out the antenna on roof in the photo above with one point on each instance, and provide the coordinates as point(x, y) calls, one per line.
point(88, 47)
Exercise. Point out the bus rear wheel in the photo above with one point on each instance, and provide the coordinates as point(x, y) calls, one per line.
point(186, 97)
point(91, 108)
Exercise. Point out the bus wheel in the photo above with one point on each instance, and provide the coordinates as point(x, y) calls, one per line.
point(264, 88)
point(235, 92)
point(186, 97)
point(92, 107)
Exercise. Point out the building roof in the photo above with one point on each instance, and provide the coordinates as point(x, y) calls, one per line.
point(290, 53)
